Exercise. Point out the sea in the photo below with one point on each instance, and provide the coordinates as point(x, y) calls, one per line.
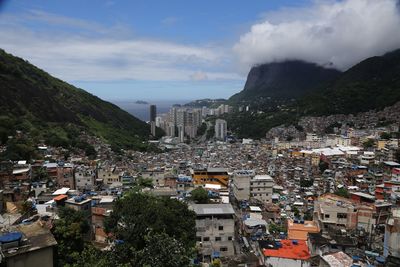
point(142, 111)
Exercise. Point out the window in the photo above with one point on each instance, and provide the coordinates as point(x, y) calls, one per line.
point(223, 249)
point(220, 228)
point(327, 216)
point(218, 238)
point(206, 238)
point(198, 238)
point(230, 238)
point(341, 215)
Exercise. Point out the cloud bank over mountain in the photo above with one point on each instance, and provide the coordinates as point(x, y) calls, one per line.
point(330, 33)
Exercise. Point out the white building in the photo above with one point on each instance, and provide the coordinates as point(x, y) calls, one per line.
point(84, 177)
point(220, 129)
point(241, 184)
point(261, 187)
point(215, 229)
point(392, 235)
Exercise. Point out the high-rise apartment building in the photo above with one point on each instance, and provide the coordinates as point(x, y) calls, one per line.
point(220, 129)
point(153, 112)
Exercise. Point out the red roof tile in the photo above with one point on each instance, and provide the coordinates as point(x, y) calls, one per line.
point(289, 250)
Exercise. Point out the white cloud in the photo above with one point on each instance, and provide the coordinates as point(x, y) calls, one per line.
point(199, 76)
point(93, 52)
point(342, 33)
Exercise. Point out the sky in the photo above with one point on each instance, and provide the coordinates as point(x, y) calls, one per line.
point(171, 50)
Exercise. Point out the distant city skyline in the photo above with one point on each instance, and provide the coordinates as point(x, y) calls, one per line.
point(178, 50)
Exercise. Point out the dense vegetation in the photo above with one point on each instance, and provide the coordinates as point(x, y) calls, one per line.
point(209, 103)
point(371, 84)
point(52, 110)
point(147, 231)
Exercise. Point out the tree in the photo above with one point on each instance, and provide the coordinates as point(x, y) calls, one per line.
point(308, 216)
point(385, 135)
point(199, 195)
point(163, 250)
point(138, 214)
point(342, 192)
point(27, 208)
point(274, 228)
point(296, 212)
point(306, 182)
point(69, 231)
point(323, 165)
point(202, 129)
point(369, 143)
point(40, 175)
point(92, 257)
point(144, 182)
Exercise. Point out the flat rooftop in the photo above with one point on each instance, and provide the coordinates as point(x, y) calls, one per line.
point(212, 209)
point(262, 177)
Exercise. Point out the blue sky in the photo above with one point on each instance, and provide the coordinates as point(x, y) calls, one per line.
point(155, 50)
point(207, 29)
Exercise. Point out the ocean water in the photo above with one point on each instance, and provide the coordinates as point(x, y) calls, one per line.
point(142, 111)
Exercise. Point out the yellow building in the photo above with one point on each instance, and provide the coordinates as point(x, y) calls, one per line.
point(381, 144)
point(210, 176)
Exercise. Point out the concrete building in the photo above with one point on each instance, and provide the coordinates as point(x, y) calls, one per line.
point(153, 113)
point(336, 259)
point(241, 184)
point(153, 128)
point(181, 133)
point(215, 229)
point(84, 177)
point(392, 235)
point(293, 253)
point(28, 245)
point(333, 210)
point(108, 176)
point(299, 230)
point(261, 188)
point(210, 176)
point(220, 129)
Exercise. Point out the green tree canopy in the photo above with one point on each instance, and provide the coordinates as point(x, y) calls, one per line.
point(342, 192)
point(369, 143)
point(385, 135)
point(137, 214)
point(323, 165)
point(199, 195)
point(69, 231)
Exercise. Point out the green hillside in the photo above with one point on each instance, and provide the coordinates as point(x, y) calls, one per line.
point(52, 110)
point(371, 84)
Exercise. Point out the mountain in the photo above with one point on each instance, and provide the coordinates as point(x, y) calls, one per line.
point(374, 83)
point(207, 102)
point(283, 80)
point(55, 111)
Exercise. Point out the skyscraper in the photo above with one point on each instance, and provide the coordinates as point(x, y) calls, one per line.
point(153, 112)
point(220, 129)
